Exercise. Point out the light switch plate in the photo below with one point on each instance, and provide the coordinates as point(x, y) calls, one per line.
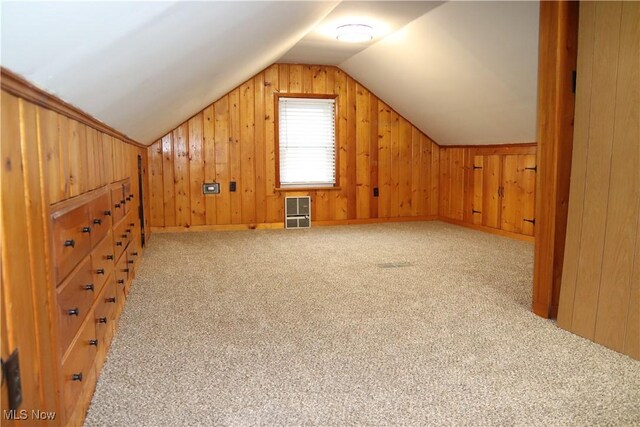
point(211, 188)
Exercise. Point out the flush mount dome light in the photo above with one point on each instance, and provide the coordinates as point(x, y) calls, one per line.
point(354, 33)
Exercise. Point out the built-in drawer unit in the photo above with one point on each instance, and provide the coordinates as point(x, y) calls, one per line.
point(94, 246)
point(102, 261)
point(77, 364)
point(75, 297)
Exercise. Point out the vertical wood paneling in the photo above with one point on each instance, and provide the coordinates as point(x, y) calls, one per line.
point(168, 182)
point(209, 158)
point(156, 194)
point(196, 170)
point(223, 174)
point(259, 150)
point(181, 174)
point(50, 137)
point(247, 182)
point(363, 144)
point(107, 157)
point(600, 293)
point(235, 141)
point(235, 155)
point(598, 168)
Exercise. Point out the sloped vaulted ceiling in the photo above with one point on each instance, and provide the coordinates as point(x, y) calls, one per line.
point(463, 72)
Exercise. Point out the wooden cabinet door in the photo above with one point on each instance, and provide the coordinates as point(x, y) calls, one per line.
point(518, 193)
point(487, 170)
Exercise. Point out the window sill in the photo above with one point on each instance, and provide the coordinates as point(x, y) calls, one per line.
point(285, 189)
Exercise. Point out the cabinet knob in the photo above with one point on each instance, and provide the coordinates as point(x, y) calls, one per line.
point(93, 342)
point(102, 320)
point(134, 253)
point(100, 271)
point(126, 270)
point(97, 221)
point(107, 213)
point(123, 201)
point(109, 257)
point(86, 229)
point(111, 299)
point(130, 261)
point(77, 377)
point(117, 205)
point(88, 287)
point(73, 311)
point(120, 281)
point(128, 230)
point(132, 224)
point(124, 236)
point(118, 243)
point(70, 243)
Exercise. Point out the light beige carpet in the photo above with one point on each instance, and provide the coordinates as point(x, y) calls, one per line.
point(390, 324)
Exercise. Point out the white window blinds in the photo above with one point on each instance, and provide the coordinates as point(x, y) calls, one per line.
point(307, 142)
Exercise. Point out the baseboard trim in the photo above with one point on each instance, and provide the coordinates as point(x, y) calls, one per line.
point(280, 225)
point(486, 229)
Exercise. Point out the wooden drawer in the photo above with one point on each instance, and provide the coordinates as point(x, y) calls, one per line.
point(77, 366)
point(102, 261)
point(128, 196)
point(75, 298)
point(71, 240)
point(120, 238)
point(105, 306)
point(100, 217)
point(117, 202)
point(122, 273)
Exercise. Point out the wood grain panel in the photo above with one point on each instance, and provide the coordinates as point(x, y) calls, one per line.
point(196, 170)
point(240, 147)
point(600, 292)
point(598, 168)
point(209, 159)
point(167, 180)
point(155, 184)
point(181, 175)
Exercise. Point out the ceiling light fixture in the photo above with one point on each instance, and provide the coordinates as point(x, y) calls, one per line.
point(354, 33)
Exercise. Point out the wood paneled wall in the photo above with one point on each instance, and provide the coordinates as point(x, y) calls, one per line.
point(233, 140)
point(600, 294)
point(47, 157)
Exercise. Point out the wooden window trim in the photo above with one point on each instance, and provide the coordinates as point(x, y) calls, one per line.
point(277, 97)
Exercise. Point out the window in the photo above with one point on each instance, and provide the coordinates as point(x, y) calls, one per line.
point(306, 141)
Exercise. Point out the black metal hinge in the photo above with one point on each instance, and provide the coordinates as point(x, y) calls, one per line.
point(532, 221)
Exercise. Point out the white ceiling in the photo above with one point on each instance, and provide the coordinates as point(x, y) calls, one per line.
point(463, 72)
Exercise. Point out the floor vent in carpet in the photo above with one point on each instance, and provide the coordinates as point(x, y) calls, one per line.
point(394, 264)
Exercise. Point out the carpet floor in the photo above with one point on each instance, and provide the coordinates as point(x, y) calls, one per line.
point(393, 324)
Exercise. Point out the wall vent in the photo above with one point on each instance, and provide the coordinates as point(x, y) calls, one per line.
point(297, 212)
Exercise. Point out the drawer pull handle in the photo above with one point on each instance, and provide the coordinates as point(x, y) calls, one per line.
point(124, 236)
point(111, 299)
point(102, 320)
point(70, 243)
point(118, 243)
point(132, 224)
point(128, 230)
point(93, 342)
point(123, 201)
point(73, 312)
point(97, 221)
point(126, 270)
point(109, 257)
point(100, 271)
point(107, 213)
point(86, 229)
point(117, 205)
point(120, 281)
point(134, 253)
point(77, 377)
point(88, 287)
point(130, 261)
